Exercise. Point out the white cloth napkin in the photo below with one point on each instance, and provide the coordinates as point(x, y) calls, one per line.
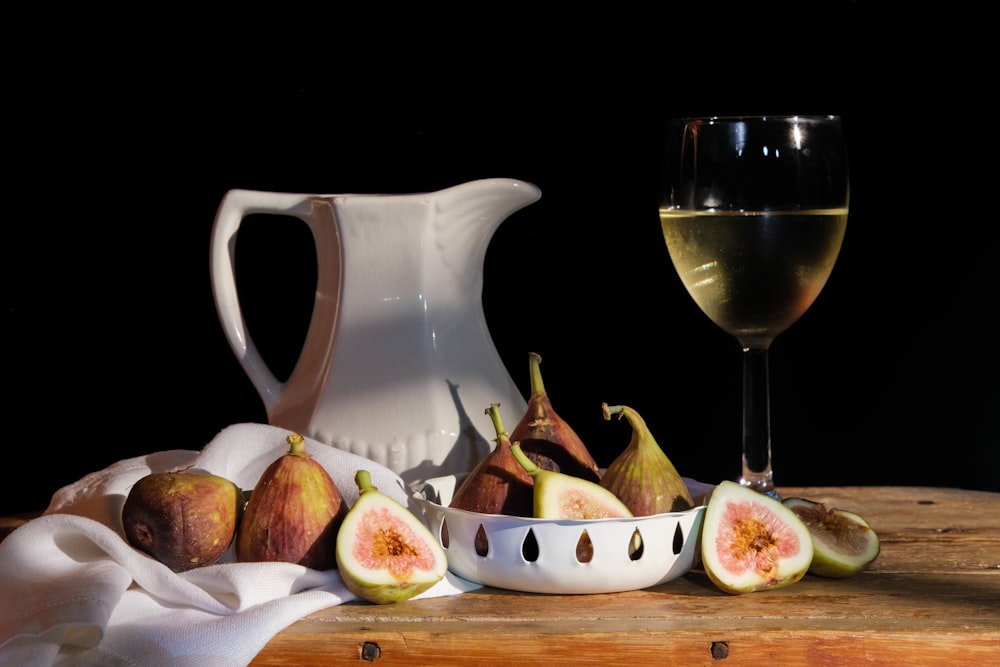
point(74, 592)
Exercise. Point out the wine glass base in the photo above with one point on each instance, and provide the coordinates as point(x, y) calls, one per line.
point(763, 485)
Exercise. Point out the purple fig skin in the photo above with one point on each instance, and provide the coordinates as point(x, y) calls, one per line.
point(294, 513)
point(184, 519)
point(546, 438)
point(498, 484)
point(642, 476)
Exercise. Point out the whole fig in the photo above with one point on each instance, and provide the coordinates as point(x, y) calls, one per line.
point(642, 475)
point(546, 438)
point(498, 484)
point(293, 514)
point(184, 519)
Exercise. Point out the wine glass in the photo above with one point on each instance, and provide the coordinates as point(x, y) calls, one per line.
point(753, 212)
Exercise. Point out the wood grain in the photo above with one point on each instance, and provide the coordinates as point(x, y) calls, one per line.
point(932, 597)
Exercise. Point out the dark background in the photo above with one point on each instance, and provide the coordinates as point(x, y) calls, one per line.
point(118, 153)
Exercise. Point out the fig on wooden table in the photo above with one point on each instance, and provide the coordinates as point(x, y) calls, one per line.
point(546, 438)
point(184, 519)
point(293, 514)
point(385, 554)
point(643, 476)
point(752, 542)
point(844, 543)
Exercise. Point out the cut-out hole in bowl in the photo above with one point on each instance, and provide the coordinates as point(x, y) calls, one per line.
point(482, 542)
point(678, 540)
point(444, 533)
point(584, 548)
point(635, 546)
point(529, 548)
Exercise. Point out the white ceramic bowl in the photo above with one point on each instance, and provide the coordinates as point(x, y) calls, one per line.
point(540, 555)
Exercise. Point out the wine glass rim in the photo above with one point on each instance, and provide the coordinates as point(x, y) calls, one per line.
point(763, 117)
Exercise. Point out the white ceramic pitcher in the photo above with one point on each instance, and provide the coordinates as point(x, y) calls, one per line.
point(398, 364)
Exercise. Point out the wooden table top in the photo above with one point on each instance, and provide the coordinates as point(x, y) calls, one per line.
point(932, 597)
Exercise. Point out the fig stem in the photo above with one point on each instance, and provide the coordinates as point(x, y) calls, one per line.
point(620, 410)
point(523, 459)
point(534, 368)
point(296, 444)
point(494, 412)
point(363, 479)
point(640, 432)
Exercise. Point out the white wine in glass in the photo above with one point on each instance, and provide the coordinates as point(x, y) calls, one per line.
point(753, 213)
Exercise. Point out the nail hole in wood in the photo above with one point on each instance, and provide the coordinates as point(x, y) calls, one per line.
point(370, 652)
point(720, 650)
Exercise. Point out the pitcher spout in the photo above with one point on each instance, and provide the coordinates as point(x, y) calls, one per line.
point(464, 217)
point(495, 198)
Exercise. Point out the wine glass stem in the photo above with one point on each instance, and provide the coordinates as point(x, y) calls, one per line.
point(757, 423)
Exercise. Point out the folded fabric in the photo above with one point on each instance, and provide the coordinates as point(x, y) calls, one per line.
point(74, 592)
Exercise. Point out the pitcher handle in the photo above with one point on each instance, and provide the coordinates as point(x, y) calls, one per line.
point(235, 206)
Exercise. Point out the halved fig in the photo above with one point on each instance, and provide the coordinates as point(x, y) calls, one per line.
point(844, 543)
point(385, 554)
point(752, 542)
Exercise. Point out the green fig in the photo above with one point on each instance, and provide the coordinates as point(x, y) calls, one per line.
point(558, 495)
point(385, 554)
point(844, 543)
point(293, 514)
point(546, 438)
point(642, 476)
point(184, 519)
point(752, 542)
